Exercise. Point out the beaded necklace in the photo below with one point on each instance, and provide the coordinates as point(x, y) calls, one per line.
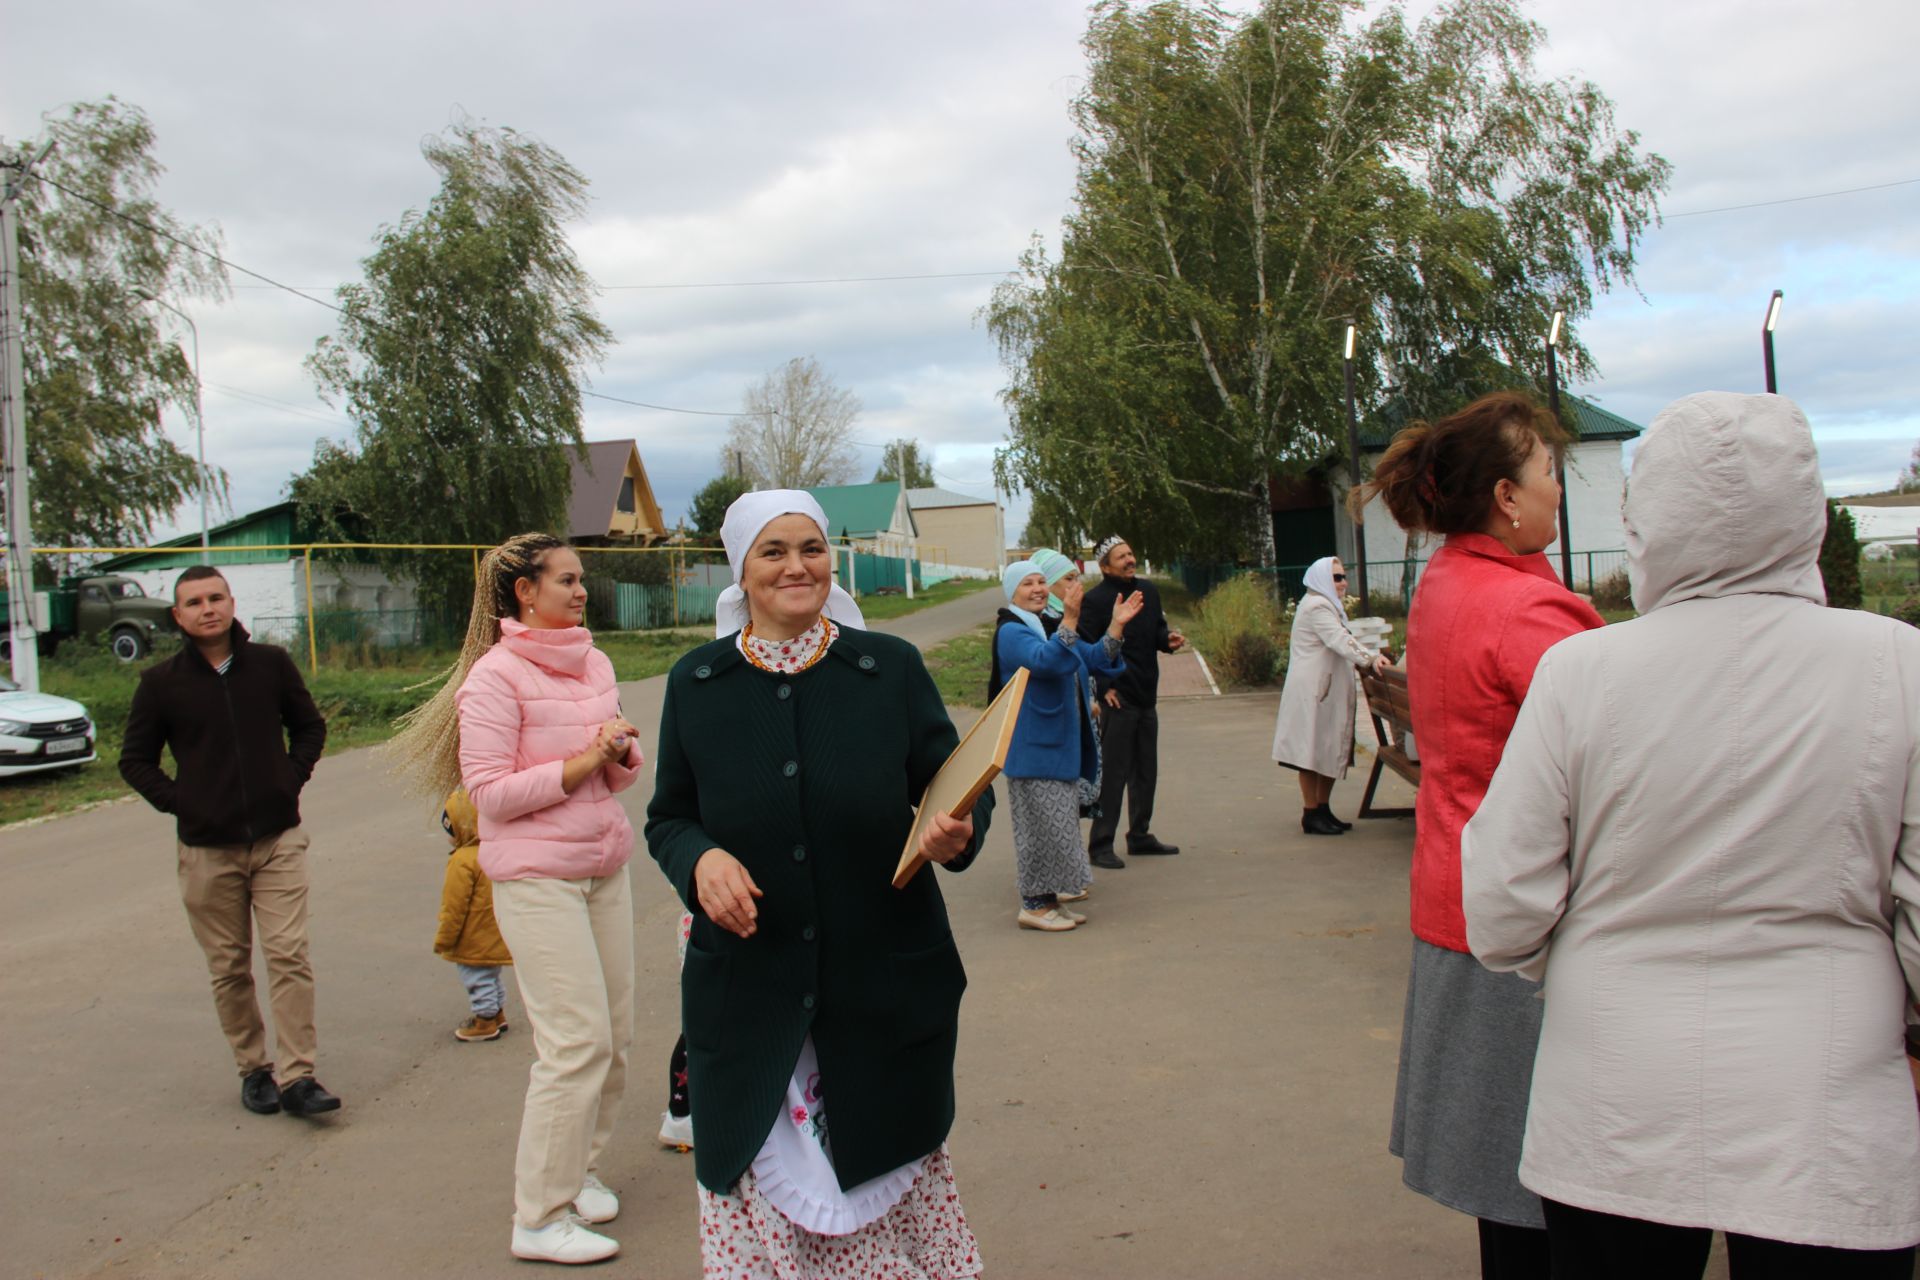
point(782, 664)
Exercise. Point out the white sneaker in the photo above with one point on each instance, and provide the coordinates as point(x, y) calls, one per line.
point(1048, 921)
point(676, 1131)
point(567, 1240)
point(595, 1203)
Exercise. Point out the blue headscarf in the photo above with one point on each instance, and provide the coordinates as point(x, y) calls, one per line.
point(1010, 580)
point(1053, 566)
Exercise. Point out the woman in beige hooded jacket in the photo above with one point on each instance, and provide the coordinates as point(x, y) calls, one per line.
point(1704, 839)
point(1313, 732)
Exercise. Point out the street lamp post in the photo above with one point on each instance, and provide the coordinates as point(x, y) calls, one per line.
point(199, 421)
point(1353, 475)
point(1553, 402)
point(1766, 339)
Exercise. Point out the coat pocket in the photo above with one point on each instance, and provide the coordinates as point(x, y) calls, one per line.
point(927, 986)
point(1326, 686)
point(703, 996)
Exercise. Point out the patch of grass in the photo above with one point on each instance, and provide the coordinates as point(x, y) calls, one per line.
point(877, 608)
point(961, 665)
point(361, 693)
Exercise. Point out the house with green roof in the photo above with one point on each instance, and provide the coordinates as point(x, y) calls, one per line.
point(1310, 521)
point(878, 513)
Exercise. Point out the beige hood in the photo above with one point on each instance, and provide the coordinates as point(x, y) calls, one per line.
point(1725, 499)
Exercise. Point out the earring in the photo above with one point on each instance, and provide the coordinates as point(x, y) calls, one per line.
point(1516, 524)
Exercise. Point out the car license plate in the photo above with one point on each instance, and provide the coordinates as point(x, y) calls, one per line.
point(66, 746)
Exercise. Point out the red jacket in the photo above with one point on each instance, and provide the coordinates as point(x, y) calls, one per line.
point(1482, 617)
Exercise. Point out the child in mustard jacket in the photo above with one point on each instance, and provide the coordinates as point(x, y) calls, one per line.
point(468, 935)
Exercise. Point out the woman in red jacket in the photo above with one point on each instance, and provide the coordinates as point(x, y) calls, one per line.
point(1488, 605)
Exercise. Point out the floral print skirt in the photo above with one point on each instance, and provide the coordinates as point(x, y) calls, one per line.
point(924, 1237)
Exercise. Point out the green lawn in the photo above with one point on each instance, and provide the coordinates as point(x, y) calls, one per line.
point(960, 667)
point(361, 692)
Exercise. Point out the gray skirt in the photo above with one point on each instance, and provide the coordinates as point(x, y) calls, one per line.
point(1466, 1066)
point(1048, 854)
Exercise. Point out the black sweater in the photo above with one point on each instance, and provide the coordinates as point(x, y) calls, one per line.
point(244, 744)
point(1142, 640)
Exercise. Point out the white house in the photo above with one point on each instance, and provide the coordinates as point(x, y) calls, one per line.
point(1310, 518)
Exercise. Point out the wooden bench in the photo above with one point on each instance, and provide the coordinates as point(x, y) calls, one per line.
point(1392, 715)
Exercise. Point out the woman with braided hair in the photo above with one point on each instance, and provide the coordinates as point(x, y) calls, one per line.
point(529, 721)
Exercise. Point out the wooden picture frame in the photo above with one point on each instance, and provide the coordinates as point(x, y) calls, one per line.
point(971, 769)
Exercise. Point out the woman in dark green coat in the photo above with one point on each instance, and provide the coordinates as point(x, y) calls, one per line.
point(820, 1004)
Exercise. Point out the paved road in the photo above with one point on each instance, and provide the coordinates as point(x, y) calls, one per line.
point(1196, 1084)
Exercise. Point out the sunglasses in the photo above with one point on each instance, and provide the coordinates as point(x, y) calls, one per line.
point(1339, 577)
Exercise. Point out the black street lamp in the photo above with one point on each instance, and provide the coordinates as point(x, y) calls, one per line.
point(1766, 339)
point(1553, 402)
point(1353, 477)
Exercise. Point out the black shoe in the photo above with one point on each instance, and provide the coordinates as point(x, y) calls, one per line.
point(307, 1097)
point(1326, 811)
point(259, 1094)
point(1107, 858)
point(1151, 846)
point(1316, 823)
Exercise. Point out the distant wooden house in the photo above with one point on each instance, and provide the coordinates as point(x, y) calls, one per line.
point(613, 500)
point(877, 513)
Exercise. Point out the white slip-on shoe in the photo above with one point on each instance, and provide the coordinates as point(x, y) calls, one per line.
point(1069, 913)
point(676, 1131)
point(1048, 921)
point(596, 1203)
point(1076, 897)
point(567, 1241)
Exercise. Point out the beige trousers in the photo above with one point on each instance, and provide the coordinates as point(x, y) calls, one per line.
point(572, 944)
point(228, 889)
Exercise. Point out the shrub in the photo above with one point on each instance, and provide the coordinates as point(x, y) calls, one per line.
point(1908, 610)
point(1238, 628)
point(1613, 591)
point(1840, 558)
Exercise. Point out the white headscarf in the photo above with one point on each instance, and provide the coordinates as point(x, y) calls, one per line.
point(746, 518)
point(1319, 580)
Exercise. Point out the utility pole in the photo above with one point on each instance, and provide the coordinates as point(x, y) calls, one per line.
point(22, 637)
point(1553, 399)
point(199, 410)
point(1353, 475)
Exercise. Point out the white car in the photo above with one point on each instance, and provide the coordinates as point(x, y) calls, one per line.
point(39, 732)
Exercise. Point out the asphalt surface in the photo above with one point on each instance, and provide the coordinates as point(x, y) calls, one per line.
point(1197, 1083)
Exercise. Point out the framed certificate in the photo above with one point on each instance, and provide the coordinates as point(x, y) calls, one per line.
point(971, 769)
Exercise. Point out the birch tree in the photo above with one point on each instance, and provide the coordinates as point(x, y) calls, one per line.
point(795, 428)
point(1249, 185)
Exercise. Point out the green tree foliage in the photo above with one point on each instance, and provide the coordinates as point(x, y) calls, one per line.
point(97, 360)
point(1050, 524)
point(1249, 184)
point(1840, 558)
point(901, 461)
point(711, 502)
point(1910, 478)
point(459, 360)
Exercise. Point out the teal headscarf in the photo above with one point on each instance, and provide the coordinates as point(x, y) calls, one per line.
point(1053, 566)
point(1010, 580)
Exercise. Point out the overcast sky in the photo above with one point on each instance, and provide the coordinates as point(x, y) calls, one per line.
point(768, 141)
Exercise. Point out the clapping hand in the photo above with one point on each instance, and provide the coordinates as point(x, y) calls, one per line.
point(1070, 597)
point(946, 838)
point(1125, 609)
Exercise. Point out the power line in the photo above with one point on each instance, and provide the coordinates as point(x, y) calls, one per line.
point(1818, 195)
point(770, 284)
point(254, 397)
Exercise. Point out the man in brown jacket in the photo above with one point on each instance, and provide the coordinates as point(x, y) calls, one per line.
point(245, 737)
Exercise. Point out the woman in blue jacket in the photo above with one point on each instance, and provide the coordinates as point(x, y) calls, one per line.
point(1053, 741)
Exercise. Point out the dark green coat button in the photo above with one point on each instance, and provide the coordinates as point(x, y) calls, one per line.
point(866, 663)
point(701, 673)
point(807, 1001)
point(799, 853)
point(784, 692)
point(790, 768)
point(807, 934)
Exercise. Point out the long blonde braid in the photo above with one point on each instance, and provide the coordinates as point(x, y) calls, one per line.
point(426, 750)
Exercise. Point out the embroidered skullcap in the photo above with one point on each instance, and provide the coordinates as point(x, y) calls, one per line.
point(1107, 544)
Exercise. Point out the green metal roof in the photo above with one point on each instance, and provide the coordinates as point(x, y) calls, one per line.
point(858, 510)
point(1587, 422)
point(269, 526)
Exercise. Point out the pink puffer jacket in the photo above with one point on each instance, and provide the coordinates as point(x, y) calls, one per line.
point(532, 701)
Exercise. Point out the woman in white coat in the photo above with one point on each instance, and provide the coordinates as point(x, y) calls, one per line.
point(1704, 838)
point(1313, 733)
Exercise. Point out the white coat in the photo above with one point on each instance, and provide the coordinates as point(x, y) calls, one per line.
point(1704, 836)
point(1314, 729)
